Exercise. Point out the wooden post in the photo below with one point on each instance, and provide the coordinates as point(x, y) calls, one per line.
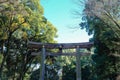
point(78, 64)
point(42, 65)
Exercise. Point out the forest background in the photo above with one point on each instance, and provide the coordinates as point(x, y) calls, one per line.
point(22, 21)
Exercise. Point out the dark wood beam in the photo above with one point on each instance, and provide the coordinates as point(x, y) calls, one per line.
point(60, 54)
point(38, 45)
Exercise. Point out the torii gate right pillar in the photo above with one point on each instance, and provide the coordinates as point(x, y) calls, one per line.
point(78, 64)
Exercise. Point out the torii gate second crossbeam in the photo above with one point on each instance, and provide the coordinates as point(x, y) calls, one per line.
point(44, 46)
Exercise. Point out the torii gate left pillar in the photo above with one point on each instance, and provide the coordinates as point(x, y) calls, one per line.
point(42, 65)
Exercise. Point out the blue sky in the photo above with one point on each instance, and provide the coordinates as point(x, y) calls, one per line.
point(60, 14)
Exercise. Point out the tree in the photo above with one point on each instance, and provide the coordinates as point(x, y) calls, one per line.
point(20, 22)
point(107, 11)
point(101, 18)
point(11, 19)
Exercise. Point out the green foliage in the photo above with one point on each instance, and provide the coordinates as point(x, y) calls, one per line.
point(1, 57)
point(69, 72)
point(20, 22)
point(102, 20)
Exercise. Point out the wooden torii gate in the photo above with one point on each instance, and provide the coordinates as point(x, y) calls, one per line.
point(60, 46)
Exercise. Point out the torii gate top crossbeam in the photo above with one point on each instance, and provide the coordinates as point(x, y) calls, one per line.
point(38, 45)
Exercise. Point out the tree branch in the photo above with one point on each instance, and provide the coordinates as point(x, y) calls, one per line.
point(110, 16)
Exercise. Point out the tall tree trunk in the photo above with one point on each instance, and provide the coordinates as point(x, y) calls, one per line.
point(5, 54)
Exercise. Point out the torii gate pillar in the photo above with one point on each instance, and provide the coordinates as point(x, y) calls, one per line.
point(78, 64)
point(42, 65)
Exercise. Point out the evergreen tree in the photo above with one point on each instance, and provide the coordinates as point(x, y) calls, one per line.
point(101, 18)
